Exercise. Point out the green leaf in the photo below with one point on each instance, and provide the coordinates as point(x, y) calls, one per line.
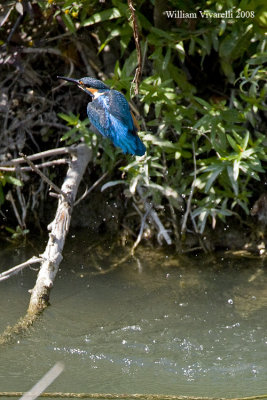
point(2, 196)
point(102, 16)
point(111, 183)
point(213, 177)
point(66, 18)
point(231, 116)
point(233, 143)
point(164, 144)
point(257, 59)
point(227, 69)
point(129, 65)
point(245, 141)
point(232, 179)
point(204, 103)
point(166, 59)
point(70, 118)
point(68, 134)
point(236, 169)
point(14, 181)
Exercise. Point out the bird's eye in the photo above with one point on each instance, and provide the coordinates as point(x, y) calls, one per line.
point(80, 82)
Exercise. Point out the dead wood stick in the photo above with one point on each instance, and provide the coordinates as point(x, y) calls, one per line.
point(52, 255)
point(129, 396)
point(44, 177)
point(12, 271)
point(42, 165)
point(59, 227)
point(42, 154)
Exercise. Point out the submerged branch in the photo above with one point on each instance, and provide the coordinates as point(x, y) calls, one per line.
point(129, 396)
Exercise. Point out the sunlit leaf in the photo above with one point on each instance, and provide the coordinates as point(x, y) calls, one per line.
point(13, 180)
point(213, 177)
point(233, 143)
point(68, 22)
point(102, 16)
point(110, 184)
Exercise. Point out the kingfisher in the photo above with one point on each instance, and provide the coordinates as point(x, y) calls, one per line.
point(110, 113)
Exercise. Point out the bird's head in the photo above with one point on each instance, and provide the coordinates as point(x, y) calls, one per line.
point(89, 85)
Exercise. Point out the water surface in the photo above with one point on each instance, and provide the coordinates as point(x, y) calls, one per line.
point(157, 323)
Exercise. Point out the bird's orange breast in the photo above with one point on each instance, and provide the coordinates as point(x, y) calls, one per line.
point(93, 91)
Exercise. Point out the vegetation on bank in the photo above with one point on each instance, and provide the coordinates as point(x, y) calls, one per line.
point(201, 103)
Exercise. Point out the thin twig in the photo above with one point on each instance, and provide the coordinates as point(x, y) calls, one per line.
point(138, 70)
point(13, 271)
point(44, 177)
point(12, 201)
point(188, 207)
point(42, 165)
point(91, 188)
point(203, 134)
point(139, 237)
point(36, 156)
point(162, 231)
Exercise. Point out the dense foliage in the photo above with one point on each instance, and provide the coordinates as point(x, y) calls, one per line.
point(201, 102)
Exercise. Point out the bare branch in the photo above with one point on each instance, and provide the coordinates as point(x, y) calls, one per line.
point(139, 237)
point(162, 231)
point(42, 165)
point(10, 198)
point(59, 227)
point(13, 271)
point(52, 255)
point(43, 154)
point(91, 188)
point(44, 177)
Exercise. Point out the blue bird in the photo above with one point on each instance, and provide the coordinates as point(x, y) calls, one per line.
point(110, 113)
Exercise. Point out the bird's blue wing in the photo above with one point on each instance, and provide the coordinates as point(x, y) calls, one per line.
point(110, 114)
point(119, 108)
point(99, 117)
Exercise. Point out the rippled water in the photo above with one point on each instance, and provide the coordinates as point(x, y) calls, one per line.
point(158, 323)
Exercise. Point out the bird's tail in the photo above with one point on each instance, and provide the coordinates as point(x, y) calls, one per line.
point(140, 148)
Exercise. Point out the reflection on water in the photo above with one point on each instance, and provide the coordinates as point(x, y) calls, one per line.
point(158, 323)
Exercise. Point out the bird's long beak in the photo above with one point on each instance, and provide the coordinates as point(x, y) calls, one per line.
point(69, 79)
point(77, 82)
